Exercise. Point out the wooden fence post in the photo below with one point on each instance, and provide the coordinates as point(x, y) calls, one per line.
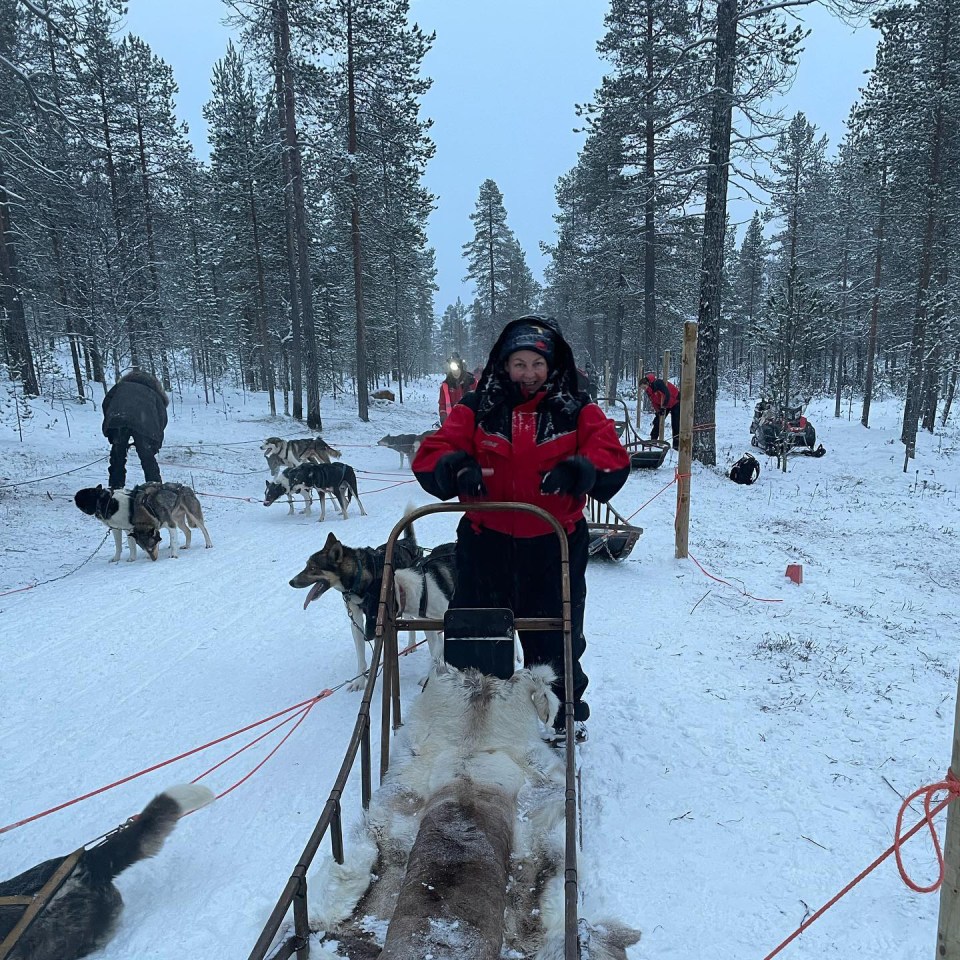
point(948, 927)
point(688, 380)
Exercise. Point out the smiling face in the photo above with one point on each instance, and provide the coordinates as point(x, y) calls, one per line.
point(528, 369)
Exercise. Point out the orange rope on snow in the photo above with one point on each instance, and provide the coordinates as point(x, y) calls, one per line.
point(952, 786)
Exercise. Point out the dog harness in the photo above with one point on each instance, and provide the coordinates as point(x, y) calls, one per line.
point(36, 902)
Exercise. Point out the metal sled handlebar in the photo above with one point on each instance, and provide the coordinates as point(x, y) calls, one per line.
point(385, 646)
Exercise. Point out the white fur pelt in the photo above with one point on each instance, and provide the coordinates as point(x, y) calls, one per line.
point(465, 728)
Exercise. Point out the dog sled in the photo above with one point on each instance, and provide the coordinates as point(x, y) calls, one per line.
point(644, 454)
point(612, 537)
point(476, 638)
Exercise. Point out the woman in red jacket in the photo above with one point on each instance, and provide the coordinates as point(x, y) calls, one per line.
point(527, 435)
point(664, 398)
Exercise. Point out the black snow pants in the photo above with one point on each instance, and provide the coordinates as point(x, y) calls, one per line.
point(674, 425)
point(523, 574)
point(146, 451)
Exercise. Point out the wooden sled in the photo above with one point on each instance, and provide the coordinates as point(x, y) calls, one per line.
point(644, 454)
point(611, 536)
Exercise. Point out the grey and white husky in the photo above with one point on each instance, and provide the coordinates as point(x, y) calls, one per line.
point(291, 453)
point(173, 506)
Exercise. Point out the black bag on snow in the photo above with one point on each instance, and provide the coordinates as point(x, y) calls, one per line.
point(746, 470)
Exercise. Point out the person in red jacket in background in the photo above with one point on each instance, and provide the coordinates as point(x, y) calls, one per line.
point(665, 398)
point(458, 381)
point(527, 435)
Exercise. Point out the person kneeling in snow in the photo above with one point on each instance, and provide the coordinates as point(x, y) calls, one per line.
point(527, 435)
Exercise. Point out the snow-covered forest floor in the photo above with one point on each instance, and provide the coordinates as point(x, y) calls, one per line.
point(745, 757)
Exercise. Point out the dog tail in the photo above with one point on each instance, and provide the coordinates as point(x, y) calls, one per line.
point(144, 835)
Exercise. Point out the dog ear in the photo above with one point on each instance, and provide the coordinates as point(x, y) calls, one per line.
point(99, 486)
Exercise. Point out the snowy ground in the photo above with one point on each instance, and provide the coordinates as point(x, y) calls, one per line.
point(744, 758)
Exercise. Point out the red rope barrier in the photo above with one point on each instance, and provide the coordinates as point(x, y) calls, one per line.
point(727, 582)
point(949, 783)
point(952, 786)
point(157, 766)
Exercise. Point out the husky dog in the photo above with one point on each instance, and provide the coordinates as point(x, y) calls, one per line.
point(115, 509)
point(81, 915)
point(337, 479)
point(357, 572)
point(425, 589)
point(291, 453)
point(171, 505)
point(406, 444)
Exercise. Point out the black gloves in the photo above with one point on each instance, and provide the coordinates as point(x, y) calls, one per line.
point(575, 477)
point(458, 473)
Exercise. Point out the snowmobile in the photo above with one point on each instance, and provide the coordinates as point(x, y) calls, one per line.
point(773, 430)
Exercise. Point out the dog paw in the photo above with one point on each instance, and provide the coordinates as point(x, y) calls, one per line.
point(357, 684)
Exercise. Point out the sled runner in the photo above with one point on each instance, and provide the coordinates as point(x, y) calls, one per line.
point(480, 638)
point(611, 536)
point(644, 454)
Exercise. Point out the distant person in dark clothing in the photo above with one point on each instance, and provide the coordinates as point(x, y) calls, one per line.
point(664, 398)
point(135, 408)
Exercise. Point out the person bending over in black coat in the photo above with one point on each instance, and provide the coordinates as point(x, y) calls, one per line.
point(135, 408)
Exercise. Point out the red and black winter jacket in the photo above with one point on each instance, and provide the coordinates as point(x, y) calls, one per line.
point(663, 395)
point(520, 440)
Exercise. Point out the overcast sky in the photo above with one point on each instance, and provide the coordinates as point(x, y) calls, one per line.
point(506, 74)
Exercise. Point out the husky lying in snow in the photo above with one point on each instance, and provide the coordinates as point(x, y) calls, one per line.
point(461, 850)
point(81, 916)
point(142, 512)
point(357, 573)
point(336, 479)
point(291, 453)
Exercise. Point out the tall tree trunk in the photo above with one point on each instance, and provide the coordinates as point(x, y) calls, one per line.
point(912, 407)
point(292, 142)
point(19, 353)
point(361, 348)
point(290, 240)
point(714, 228)
point(152, 254)
point(266, 360)
point(649, 208)
point(875, 305)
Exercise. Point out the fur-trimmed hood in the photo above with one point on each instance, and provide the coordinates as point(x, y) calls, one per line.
point(148, 380)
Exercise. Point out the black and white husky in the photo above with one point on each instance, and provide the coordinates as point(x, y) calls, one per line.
point(81, 915)
point(424, 590)
point(115, 509)
point(337, 479)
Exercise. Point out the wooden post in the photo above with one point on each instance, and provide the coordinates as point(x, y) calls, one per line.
point(948, 927)
point(666, 378)
point(688, 380)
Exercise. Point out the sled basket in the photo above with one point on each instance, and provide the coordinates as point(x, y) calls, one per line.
point(647, 454)
point(611, 536)
point(644, 454)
